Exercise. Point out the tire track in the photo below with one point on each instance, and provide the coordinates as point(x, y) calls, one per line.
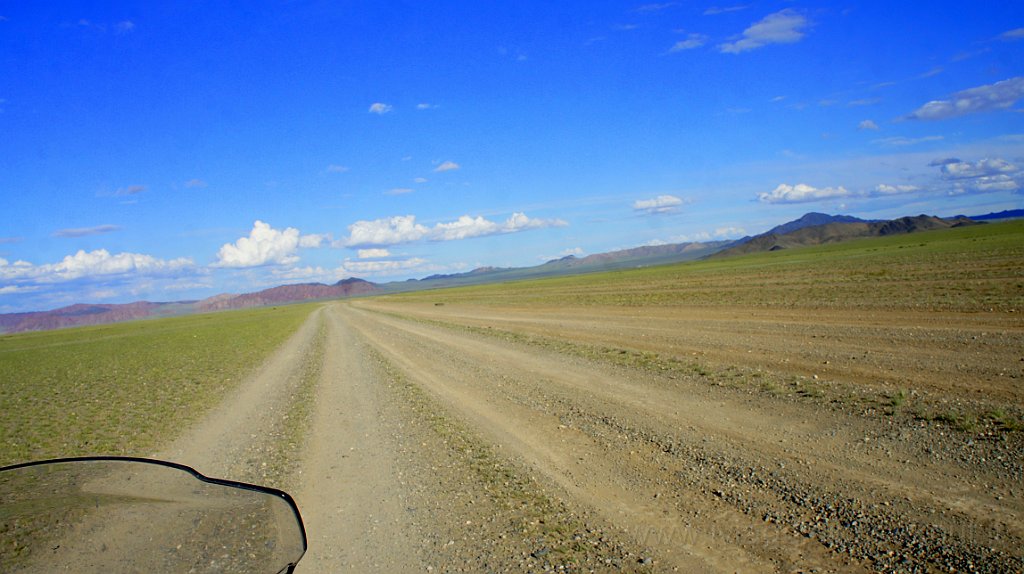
point(747, 489)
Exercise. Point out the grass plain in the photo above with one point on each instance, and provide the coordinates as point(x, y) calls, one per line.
point(125, 388)
point(965, 269)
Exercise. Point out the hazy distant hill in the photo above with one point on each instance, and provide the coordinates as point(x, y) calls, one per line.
point(83, 314)
point(839, 231)
point(288, 294)
point(98, 314)
point(624, 258)
point(1007, 214)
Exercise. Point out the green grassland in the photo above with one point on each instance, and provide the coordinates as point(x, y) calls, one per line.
point(964, 269)
point(126, 388)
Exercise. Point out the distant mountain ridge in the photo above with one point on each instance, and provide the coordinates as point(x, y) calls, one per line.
point(810, 229)
point(838, 230)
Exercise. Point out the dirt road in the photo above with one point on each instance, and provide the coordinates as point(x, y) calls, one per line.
point(428, 446)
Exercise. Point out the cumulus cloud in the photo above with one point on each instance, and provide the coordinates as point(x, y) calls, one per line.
point(86, 231)
point(264, 246)
point(380, 108)
point(314, 240)
point(660, 204)
point(373, 253)
point(885, 189)
point(404, 229)
point(992, 97)
point(691, 42)
point(387, 231)
point(89, 264)
point(867, 125)
point(801, 193)
point(783, 27)
point(982, 176)
point(447, 166)
point(953, 168)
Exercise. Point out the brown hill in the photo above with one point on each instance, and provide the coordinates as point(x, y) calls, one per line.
point(288, 294)
point(78, 315)
point(837, 232)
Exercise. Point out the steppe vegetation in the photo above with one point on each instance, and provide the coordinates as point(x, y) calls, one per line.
point(125, 388)
point(966, 269)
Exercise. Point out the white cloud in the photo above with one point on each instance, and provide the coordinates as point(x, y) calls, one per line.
point(86, 231)
point(885, 189)
point(520, 222)
point(398, 191)
point(425, 106)
point(955, 169)
point(404, 229)
point(12, 289)
point(388, 231)
point(373, 253)
point(691, 42)
point(867, 125)
point(660, 204)
point(335, 168)
point(983, 176)
point(1000, 182)
point(783, 27)
point(447, 166)
point(992, 97)
point(463, 228)
point(314, 240)
point(380, 108)
point(124, 26)
point(195, 183)
point(420, 180)
point(88, 264)
point(266, 245)
point(726, 232)
point(800, 193)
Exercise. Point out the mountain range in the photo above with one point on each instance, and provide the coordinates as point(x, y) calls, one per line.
point(810, 229)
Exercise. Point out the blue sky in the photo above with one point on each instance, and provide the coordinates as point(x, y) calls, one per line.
point(170, 151)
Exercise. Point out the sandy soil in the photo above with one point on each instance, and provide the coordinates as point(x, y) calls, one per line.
point(434, 447)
